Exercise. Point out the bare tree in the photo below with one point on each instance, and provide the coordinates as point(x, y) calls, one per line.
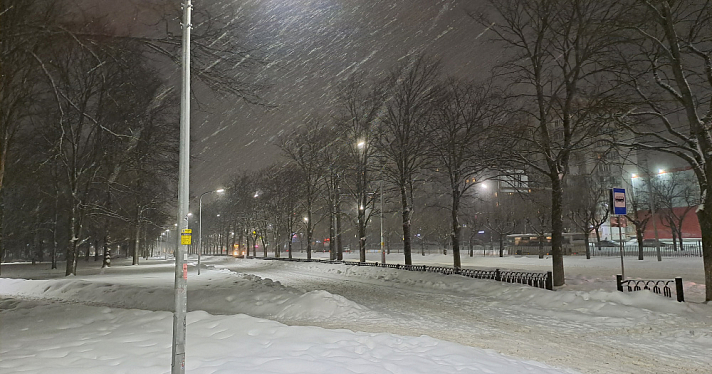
point(588, 208)
point(675, 190)
point(464, 142)
point(23, 25)
point(304, 147)
point(554, 67)
point(666, 66)
point(412, 89)
point(639, 217)
point(537, 206)
point(360, 106)
point(501, 216)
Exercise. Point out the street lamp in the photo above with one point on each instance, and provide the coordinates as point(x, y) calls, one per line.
point(200, 222)
point(651, 201)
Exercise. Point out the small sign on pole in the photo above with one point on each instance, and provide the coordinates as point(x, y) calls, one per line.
point(185, 236)
point(619, 221)
point(618, 202)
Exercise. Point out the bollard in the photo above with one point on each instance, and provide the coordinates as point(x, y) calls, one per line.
point(678, 289)
point(497, 275)
point(549, 281)
point(619, 282)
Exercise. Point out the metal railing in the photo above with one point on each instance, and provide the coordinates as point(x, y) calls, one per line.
point(688, 250)
point(660, 287)
point(538, 280)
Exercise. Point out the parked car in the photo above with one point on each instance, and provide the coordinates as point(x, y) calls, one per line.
point(606, 243)
point(651, 243)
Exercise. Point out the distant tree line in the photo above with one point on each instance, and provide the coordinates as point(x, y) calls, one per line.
point(89, 126)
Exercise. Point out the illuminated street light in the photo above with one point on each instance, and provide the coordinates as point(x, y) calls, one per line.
point(200, 222)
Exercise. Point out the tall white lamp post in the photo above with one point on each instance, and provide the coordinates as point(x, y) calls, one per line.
point(180, 289)
point(200, 223)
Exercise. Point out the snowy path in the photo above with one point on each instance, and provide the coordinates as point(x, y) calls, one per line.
point(585, 328)
point(591, 344)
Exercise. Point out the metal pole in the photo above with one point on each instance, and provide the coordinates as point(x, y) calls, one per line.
point(620, 239)
point(181, 270)
point(383, 249)
point(200, 229)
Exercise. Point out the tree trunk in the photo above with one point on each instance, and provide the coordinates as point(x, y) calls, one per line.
point(406, 226)
point(501, 244)
point(289, 242)
point(557, 229)
point(264, 244)
point(362, 234)
point(339, 241)
point(54, 238)
point(309, 234)
point(704, 216)
point(2, 212)
point(137, 240)
point(332, 232)
point(72, 250)
point(107, 252)
point(586, 234)
point(674, 238)
point(106, 242)
point(455, 236)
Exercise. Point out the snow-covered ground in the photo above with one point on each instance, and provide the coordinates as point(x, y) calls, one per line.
point(256, 316)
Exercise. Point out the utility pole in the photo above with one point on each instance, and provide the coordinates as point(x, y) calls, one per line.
point(181, 270)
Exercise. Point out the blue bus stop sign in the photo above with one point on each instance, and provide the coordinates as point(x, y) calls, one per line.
point(618, 201)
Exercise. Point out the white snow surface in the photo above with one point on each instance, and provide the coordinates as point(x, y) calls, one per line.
point(257, 316)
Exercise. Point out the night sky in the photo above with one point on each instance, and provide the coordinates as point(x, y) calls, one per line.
point(310, 46)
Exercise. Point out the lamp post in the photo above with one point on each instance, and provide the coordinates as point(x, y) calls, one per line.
point(652, 211)
point(200, 222)
point(180, 289)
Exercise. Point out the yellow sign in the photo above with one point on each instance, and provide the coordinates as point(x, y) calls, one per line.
point(185, 236)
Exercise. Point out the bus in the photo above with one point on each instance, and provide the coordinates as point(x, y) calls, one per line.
point(524, 244)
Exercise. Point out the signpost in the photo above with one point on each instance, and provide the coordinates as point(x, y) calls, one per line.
point(185, 236)
point(618, 204)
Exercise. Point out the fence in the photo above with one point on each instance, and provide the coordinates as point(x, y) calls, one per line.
point(657, 286)
point(538, 280)
point(688, 250)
